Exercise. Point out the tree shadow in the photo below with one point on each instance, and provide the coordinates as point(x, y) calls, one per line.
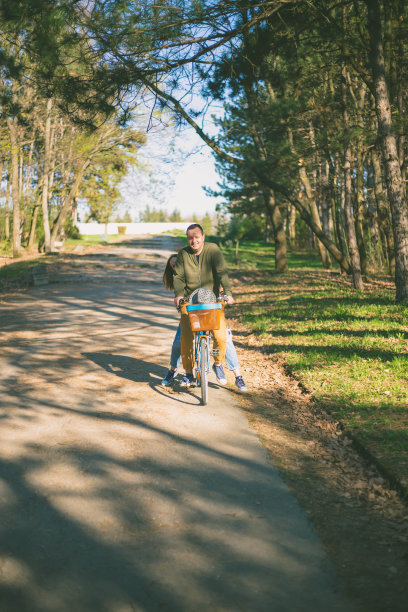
point(141, 371)
point(158, 521)
point(357, 333)
point(337, 351)
point(112, 502)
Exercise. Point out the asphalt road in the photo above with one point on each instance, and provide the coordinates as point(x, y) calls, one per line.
point(117, 495)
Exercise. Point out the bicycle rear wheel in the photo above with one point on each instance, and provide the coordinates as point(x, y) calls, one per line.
point(204, 370)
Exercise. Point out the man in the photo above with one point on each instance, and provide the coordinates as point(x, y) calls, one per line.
point(200, 264)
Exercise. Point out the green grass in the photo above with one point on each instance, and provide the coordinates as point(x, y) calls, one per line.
point(261, 256)
point(91, 240)
point(348, 348)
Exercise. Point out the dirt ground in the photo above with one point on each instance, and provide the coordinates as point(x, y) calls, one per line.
point(358, 516)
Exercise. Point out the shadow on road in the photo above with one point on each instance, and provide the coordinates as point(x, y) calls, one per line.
point(96, 517)
point(141, 371)
point(113, 499)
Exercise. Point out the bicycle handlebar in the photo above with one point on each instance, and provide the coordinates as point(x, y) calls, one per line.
point(222, 298)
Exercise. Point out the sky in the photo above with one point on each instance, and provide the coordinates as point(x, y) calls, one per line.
point(188, 195)
point(172, 168)
point(176, 167)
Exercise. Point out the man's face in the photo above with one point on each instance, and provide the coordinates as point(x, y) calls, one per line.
point(196, 240)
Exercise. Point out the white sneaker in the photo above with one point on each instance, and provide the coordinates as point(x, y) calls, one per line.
point(219, 372)
point(239, 382)
point(169, 378)
point(188, 381)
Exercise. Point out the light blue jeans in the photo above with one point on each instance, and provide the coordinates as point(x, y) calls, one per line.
point(230, 357)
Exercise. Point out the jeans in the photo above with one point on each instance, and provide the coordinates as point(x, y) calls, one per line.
point(230, 356)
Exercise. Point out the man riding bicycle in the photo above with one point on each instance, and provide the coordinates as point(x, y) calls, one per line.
point(200, 264)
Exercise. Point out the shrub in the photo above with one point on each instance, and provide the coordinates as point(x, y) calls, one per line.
point(71, 230)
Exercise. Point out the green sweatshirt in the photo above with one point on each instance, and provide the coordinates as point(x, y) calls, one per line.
point(209, 272)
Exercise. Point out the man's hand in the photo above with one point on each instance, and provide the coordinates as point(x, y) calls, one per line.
point(229, 299)
point(177, 301)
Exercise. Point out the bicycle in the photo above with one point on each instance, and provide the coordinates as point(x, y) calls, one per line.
point(203, 319)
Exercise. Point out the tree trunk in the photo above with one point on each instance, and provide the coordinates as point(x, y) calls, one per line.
point(66, 206)
point(292, 225)
point(346, 196)
point(33, 225)
point(45, 182)
point(20, 191)
point(400, 84)
point(395, 187)
point(383, 211)
point(377, 248)
point(359, 212)
point(7, 206)
point(325, 201)
point(275, 216)
point(335, 175)
point(30, 168)
point(311, 200)
point(349, 223)
point(315, 229)
point(12, 126)
point(75, 212)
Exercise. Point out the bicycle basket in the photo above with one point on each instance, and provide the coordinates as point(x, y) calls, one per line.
point(204, 317)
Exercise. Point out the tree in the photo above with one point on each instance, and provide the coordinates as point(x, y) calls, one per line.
point(298, 67)
point(395, 188)
point(175, 216)
point(153, 215)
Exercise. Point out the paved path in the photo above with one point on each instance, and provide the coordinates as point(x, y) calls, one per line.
point(119, 496)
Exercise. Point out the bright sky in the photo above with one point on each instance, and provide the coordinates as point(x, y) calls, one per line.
point(172, 169)
point(188, 195)
point(178, 166)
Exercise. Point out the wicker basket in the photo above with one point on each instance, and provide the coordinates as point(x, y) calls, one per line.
point(204, 317)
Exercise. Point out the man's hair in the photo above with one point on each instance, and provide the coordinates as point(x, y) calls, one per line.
point(193, 226)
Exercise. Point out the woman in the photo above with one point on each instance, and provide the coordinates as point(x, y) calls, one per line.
point(231, 354)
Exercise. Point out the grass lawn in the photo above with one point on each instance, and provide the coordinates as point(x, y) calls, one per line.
point(348, 348)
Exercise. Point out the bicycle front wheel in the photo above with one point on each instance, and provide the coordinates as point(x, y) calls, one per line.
point(204, 370)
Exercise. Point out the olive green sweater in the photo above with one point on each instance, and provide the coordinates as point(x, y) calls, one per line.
point(209, 272)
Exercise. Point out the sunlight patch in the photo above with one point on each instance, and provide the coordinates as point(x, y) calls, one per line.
point(13, 571)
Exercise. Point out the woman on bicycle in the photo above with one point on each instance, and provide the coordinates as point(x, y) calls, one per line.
point(231, 357)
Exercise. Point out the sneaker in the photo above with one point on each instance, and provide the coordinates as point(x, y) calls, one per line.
point(239, 382)
point(187, 381)
point(169, 378)
point(219, 372)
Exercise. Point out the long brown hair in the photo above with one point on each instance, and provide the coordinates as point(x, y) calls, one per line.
point(168, 273)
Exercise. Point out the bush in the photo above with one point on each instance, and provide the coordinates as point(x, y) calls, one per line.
point(71, 230)
point(5, 246)
point(122, 229)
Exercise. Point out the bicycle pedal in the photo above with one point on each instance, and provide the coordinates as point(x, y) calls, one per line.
point(215, 353)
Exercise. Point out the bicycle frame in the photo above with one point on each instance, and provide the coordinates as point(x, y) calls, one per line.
point(202, 362)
